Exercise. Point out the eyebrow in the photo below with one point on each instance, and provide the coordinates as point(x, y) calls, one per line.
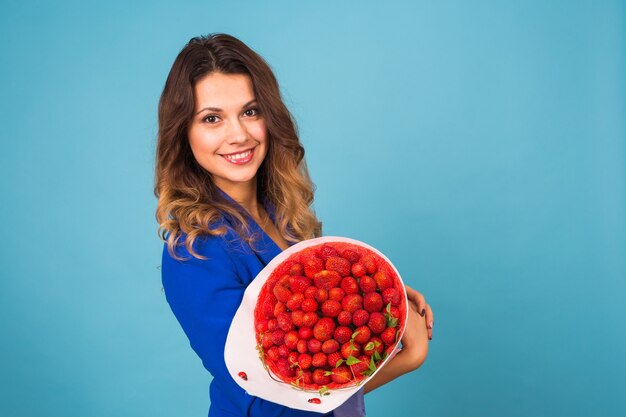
point(217, 109)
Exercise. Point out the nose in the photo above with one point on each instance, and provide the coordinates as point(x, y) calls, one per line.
point(237, 132)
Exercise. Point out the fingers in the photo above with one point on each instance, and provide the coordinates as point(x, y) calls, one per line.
point(416, 300)
point(430, 321)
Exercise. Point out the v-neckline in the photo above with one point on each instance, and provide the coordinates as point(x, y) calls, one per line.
point(269, 243)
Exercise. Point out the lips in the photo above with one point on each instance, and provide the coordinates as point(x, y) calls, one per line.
point(239, 158)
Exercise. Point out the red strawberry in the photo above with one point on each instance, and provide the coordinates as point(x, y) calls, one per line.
point(372, 301)
point(344, 318)
point(349, 285)
point(326, 279)
point(282, 293)
point(362, 334)
point(307, 378)
point(266, 340)
point(314, 345)
point(291, 339)
point(370, 264)
point(361, 366)
point(279, 308)
point(320, 378)
point(261, 326)
point(331, 308)
point(319, 360)
point(305, 332)
point(268, 306)
point(312, 265)
point(272, 353)
point(367, 284)
point(278, 337)
point(358, 270)
point(272, 325)
point(383, 280)
point(336, 294)
point(330, 346)
point(309, 305)
point(299, 284)
point(284, 321)
point(374, 345)
point(284, 281)
point(320, 295)
point(297, 318)
point(310, 292)
point(283, 351)
point(395, 312)
point(388, 336)
point(350, 255)
point(295, 301)
point(333, 358)
point(350, 349)
point(284, 368)
point(377, 322)
point(342, 334)
point(352, 302)
point(324, 329)
point(296, 269)
point(302, 346)
point(391, 295)
point(336, 263)
point(326, 251)
point(360, 317)
point(341, 375)
point(292, 358)
point(310, 318)
point(304, 360)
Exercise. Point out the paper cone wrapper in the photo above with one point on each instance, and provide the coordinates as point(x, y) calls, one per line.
point(242, 356)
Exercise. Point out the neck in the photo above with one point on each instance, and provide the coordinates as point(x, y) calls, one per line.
point(245, 194)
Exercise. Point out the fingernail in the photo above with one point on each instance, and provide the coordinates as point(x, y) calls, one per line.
point(430, 324)
point(430, 338)
point(423, 312)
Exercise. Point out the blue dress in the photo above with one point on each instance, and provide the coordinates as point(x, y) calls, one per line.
point(204, 296)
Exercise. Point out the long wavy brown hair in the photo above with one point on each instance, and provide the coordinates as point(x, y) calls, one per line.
point(189, 203)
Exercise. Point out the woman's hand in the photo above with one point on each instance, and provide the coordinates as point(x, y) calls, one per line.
point(418, 303)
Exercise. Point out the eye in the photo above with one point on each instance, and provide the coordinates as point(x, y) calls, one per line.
point(211, 118)
point(251, 112)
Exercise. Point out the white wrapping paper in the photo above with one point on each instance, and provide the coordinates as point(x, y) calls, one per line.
point(241, 353)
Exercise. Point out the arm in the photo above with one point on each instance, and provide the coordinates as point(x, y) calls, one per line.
point(204, 296)
point(414, 345)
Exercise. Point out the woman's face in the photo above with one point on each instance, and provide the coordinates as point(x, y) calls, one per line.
point(227, 134)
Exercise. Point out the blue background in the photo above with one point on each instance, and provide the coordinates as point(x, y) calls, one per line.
point(480, 145)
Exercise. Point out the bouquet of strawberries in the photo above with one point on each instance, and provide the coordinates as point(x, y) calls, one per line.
point(328, 313)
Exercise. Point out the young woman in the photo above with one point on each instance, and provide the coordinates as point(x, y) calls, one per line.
point(233, 192)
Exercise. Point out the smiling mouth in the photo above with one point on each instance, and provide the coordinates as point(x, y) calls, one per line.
point(239, 158)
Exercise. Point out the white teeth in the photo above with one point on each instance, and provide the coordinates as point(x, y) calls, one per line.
point(238, 156)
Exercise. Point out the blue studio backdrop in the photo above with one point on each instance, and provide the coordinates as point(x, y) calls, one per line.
point(480, 145)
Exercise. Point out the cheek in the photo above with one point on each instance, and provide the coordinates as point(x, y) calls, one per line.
point(259, 131)
point(202, 144)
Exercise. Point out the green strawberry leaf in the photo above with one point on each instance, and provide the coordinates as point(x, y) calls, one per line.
point(369, 346)
point(328, 373)
point(391, 320)
point(352, 360)
point(355, 334)
point(324, 391)
point(372, 365)
point(339, 363)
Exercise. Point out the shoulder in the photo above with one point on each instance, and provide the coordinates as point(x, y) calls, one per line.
point(214, 250)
